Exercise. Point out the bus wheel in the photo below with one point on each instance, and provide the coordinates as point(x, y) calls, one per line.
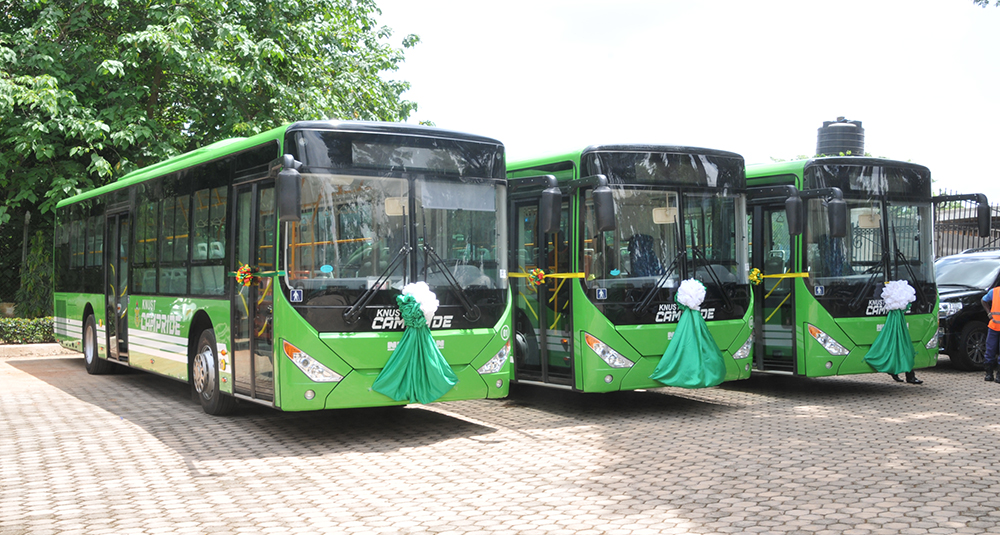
point(95, 364)
point(205, 376)
point(970, 351)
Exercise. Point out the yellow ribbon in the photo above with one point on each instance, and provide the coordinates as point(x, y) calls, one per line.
point(783, 276)
point(550, 275)
point(800, 275)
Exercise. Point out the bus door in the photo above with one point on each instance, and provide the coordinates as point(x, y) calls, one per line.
point(542, 319)
point(774, 299)
point(116, 286)
point(254, 236)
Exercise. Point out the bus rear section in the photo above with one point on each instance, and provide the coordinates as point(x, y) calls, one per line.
point(602, 316)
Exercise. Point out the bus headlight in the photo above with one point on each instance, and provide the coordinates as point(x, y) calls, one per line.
point(826, 341)
point(744, 351)
point(612, 357)
point(496, 363)
point(310, 366)
point(933, 342)
point(948, 309)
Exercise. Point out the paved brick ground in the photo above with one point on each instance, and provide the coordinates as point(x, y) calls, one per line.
point(132, 453)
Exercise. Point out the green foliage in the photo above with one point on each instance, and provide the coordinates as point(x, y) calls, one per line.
point(91, 89)
point(34, 297)
point(985, 3)
point(26, 331)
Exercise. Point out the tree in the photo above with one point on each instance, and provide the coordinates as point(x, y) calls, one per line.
point(985, 3)
point(34, 297)
point(92, 89)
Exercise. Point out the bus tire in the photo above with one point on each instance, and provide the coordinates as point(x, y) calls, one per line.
point(970, 350)
point(205, 377)
point(95, 364)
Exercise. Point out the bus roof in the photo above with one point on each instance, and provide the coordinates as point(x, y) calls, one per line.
point(234, 145)
point(795, 167)
point(577, 156)
point(183, 161)
point(390, 128)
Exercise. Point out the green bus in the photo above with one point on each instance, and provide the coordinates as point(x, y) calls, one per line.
point(819, 307)
point(266, 269)
point(615, 228)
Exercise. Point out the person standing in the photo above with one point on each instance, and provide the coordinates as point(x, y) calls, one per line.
point(991, 302)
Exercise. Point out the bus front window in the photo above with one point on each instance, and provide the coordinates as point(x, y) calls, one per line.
point(458, 229)
point(649, 238)
point(351, 229)
point(864, 251)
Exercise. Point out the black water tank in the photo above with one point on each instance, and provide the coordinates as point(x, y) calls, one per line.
point(841, 136)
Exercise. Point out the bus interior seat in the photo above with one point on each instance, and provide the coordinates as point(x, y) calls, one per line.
point(216, 250)
point(200, 251)
point(773, 265)
point(149, 281)
point(643, 257)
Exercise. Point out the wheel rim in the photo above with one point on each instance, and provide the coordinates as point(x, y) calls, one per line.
point(204, 372)
point(975, 347)
point(89, 344)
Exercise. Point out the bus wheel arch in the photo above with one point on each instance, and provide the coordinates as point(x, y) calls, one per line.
point(205, 376)
point(94, 363)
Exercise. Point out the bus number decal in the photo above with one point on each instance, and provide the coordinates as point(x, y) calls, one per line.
point(671, 313)
point(387, 319)
point(876, 307)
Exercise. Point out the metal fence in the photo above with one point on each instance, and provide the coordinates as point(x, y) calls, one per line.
point(956, 228)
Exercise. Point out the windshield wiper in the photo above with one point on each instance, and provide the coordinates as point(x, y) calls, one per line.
point(472, 312)
point(728, 305)
point(648, 297)
point(352, 314)
point(906, 263)
point(856, 301)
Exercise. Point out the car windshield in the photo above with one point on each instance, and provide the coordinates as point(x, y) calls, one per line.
point(958, 271)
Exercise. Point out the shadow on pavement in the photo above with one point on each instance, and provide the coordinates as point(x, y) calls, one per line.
point(164, 408)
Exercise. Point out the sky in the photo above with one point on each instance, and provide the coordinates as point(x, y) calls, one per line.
point(755, 78)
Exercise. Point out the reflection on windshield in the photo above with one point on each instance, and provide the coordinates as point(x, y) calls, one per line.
point(860, 254)
point(650, 237)
point(461, 222)
point(351, 228)
point(978, 272)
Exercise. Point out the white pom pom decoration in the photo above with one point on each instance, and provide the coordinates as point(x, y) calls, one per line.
point(425, 298)
point(691, 294)
point(898, 294)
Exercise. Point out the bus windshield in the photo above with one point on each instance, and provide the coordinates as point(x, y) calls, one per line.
point(458, 228)
point(893, 234)
point(664, 236)
point(381, 211)
point(350, 230)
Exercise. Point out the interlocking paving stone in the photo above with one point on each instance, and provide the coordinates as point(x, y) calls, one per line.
point(131, 453)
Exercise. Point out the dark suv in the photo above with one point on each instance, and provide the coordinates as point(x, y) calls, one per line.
point(962, 281)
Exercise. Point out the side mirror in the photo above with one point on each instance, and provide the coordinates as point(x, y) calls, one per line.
point(793, 214)
point(289, 191)
point(984, 219)
point(549, 210)
point(604, 209)
point(837, 212)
